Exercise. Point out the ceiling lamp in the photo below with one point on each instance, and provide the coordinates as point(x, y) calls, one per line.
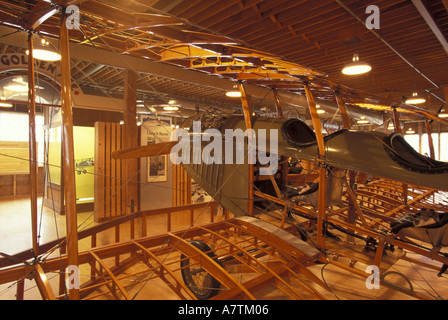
point(234, 93)
point(363, 120)
point(415, 99)
point(443, 115)
point(356, 67)
point(410, 131)
point(45, 52)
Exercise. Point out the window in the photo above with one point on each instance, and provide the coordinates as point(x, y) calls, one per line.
point(15, 127)
point(413, 140)
point(444, 147)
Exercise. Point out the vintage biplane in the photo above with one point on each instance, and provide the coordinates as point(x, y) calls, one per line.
point(360, 199)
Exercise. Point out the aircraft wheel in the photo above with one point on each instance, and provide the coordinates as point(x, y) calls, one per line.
point(199, 281)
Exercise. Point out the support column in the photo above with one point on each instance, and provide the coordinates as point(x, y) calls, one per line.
point(321, 162)
point(245, 101)
point(130, 140)
point(69, 158)
point(278, 104)
point(32, 146)
point(430, 141)
point(397, 122)
point(432, 153)
point(343, 110)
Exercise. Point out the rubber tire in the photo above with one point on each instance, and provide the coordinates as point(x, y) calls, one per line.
point(187, 276)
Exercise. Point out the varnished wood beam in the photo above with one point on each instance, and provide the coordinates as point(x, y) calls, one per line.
point(278, 104)
point(130, 139)
point(322, 171)
point(32, 146)
point(162, 148)
point(69, 158)
point(247, 111)
point(397, 124)
point(430, 140)
point(42, 283)
point(343, 110)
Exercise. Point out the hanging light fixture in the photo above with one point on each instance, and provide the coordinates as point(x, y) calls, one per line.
point(410, 131)
point(363, 120)
point(45, 52)
point(415, 99)
point(319, 110)
point(443, 114)
point(234, 93)
point(356, 66)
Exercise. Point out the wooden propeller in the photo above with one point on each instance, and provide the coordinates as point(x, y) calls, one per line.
point(145, 151)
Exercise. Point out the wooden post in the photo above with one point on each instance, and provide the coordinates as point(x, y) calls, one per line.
point(278, 104)
point(69, 159)
point(130, 140)
point(397, 122)
point(245, 100)
point(430, 141)
point(353, 207)
point(343, 110)
point(32, 145)
point(321, 161)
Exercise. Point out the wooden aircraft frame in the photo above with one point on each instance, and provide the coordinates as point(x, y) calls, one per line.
point(234, 243)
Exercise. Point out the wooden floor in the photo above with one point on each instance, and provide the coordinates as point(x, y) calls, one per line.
point(15, 236)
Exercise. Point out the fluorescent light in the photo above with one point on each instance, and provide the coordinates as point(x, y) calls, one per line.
point(5, 105)
point(47, 55)
point(233, 94)
point(170, 108)
point(356, 67)
point(443, 115)
point(416, 99)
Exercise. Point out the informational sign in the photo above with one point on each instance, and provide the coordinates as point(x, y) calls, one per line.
point(157, 131)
